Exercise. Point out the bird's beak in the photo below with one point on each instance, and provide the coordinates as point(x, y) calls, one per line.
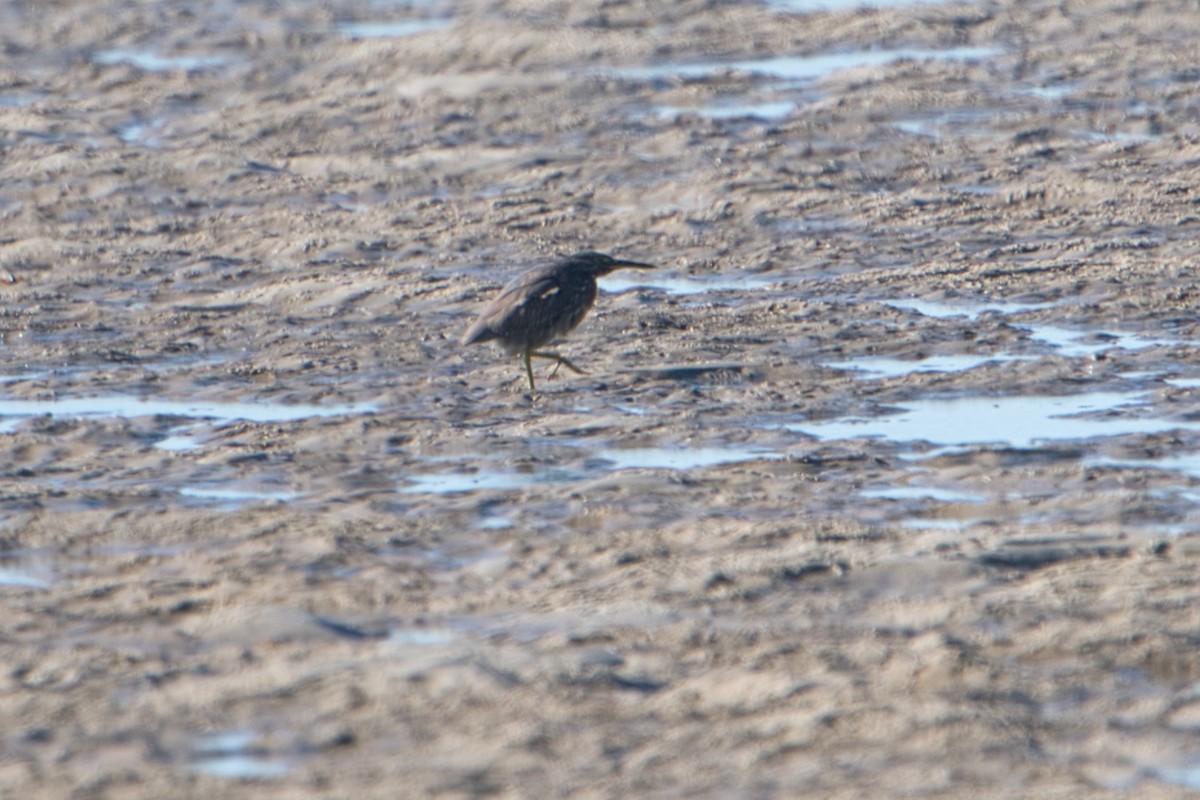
point(634, 264)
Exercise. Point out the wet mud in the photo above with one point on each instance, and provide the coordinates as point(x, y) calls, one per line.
point(884, 483)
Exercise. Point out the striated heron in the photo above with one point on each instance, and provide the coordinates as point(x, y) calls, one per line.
point(543, 303)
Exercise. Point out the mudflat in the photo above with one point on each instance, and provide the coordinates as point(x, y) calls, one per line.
point(883, 483)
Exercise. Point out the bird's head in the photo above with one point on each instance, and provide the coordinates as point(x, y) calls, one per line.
point(598, 264)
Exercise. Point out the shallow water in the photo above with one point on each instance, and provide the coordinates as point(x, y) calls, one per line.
point(12, 577)
point(1186, 464)
point(153, 62)
point(737, 109)
point(234, 754)
point(882, 367)
point(178, 442)
point(230, 496)
point(971, 309)
point(935, 125)
point(485, 480)
point(601, 462)
point(1069, 342)
point(802, 68)
point(682, 458)
point(1087, 343)
point(1019, 422)
point(389, 29)
point(809, 6)
point(421, 637)
point(1187, 777)
point(681, 285)
point(938, 494)
point(132, 407)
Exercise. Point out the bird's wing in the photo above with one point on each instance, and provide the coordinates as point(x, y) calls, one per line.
point(510, 310)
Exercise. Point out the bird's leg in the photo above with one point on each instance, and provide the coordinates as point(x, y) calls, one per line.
point(557, 359)
point(529, 368)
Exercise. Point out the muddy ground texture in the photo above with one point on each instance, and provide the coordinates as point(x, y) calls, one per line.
point(884, 483)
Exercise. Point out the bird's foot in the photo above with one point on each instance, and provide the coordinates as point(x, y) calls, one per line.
point(558, 361)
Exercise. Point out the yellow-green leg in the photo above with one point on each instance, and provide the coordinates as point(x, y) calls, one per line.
point(557, 359)
point(529, 355)
point(529, 369)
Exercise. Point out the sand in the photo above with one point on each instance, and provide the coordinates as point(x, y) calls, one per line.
point(883, 484)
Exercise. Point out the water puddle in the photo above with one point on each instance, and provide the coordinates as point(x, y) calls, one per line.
point(768, 111)
point(422, 637)
point(132, 407)
point(178, 441)
point(239, 755)
point(153, 62)
point(143, 133)
point(1187, 777)
point(810, 6)
point(390, 29)
point(933, 126)
point(486, 480)
point(882, 367)
point(1085, 344)
point(1066, 342)
point(599, 463)
point(232, 498)
point(1118, 137)
point(12, 577)
point(946, 524)
point(1187, 464)
point(683, 459)
point(1018, 422)
point(802, 68)
point(971, 310)
point(910, 493)
point(18, 99)
point(682, 285)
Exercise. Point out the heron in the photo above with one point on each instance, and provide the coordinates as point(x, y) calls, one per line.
point(542, 304)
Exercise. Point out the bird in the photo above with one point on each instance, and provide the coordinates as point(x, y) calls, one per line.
point(539, 305)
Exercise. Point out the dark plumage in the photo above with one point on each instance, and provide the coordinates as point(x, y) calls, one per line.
point(542, 304)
